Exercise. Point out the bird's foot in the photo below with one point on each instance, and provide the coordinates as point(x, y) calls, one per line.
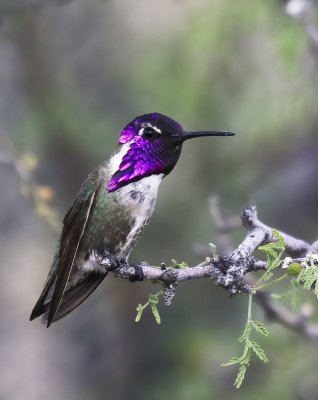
point(105, 259)
point(132, 272)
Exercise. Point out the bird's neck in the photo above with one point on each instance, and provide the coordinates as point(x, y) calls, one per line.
point(140, 195)
point(129, 164)
point(137, 194)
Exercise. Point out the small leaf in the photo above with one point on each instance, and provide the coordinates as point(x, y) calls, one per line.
point(249, 346)
point(294, 295)
point(268, 274)
point(273, 252)
point(176, 265)
point(280, 239)
point(233, 360)
point(259, 327)
point(139, 310)
point(153, 298)
point(152, 302)
point(173, 262)
point(240, 377)
point(259, 351)
point(155, 312)
point(246, 333)
point(246, 357)
point(308, 276)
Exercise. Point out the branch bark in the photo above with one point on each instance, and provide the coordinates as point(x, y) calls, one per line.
point(226, 271)
point(273, 310)
point(229, 271)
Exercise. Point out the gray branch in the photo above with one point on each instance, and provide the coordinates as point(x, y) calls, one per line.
point(226, 271)
point(260, 233)
point(273, 310)
point(230, 271)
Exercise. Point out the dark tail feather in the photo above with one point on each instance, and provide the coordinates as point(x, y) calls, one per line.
point(40, 307)
point(73, 297)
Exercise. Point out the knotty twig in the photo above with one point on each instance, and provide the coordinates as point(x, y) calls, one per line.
point(274, 311)
point(226, 271)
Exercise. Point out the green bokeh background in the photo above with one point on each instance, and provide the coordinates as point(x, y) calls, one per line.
point(71, 76)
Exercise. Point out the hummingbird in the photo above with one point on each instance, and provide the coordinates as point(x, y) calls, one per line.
point(110, 212)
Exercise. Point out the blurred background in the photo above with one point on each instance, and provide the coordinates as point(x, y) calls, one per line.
point(72, 75)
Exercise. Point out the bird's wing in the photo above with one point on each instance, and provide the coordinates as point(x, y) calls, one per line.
point(74, 225)
point(40, 307)
point(72, 297)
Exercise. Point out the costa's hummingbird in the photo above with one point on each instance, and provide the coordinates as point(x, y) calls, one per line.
point(110, 212)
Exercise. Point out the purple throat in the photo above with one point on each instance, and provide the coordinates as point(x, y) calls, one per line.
point(138, 163)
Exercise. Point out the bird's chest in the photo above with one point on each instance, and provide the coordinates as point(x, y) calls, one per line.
point(139, 199)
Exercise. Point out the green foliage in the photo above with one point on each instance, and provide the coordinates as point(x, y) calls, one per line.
point(259, 327)
point(176, 265)
point(240, 376)
point(302, 275)
point(274, 252)
point(152, 302)
point(308, 277)
point(250, 346)
point(294, 296)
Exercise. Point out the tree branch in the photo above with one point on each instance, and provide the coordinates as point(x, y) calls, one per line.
point(226, 271)
point(229, 271)
point(274, 311)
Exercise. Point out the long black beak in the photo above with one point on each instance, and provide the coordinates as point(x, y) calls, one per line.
point(191, 135)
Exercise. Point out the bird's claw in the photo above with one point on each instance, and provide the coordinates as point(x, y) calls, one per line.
point(105, 259)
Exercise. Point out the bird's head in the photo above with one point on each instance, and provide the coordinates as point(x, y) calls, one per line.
point(151, 145)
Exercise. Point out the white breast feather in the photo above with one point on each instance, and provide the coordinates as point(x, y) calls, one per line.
point(117, 158)
point(142, 210)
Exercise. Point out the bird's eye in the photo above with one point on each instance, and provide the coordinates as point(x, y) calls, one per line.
point(149, 133)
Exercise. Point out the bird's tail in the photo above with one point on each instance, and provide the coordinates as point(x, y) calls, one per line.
point(72, 298)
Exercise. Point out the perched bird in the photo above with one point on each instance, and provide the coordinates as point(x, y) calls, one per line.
point(110, 212)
